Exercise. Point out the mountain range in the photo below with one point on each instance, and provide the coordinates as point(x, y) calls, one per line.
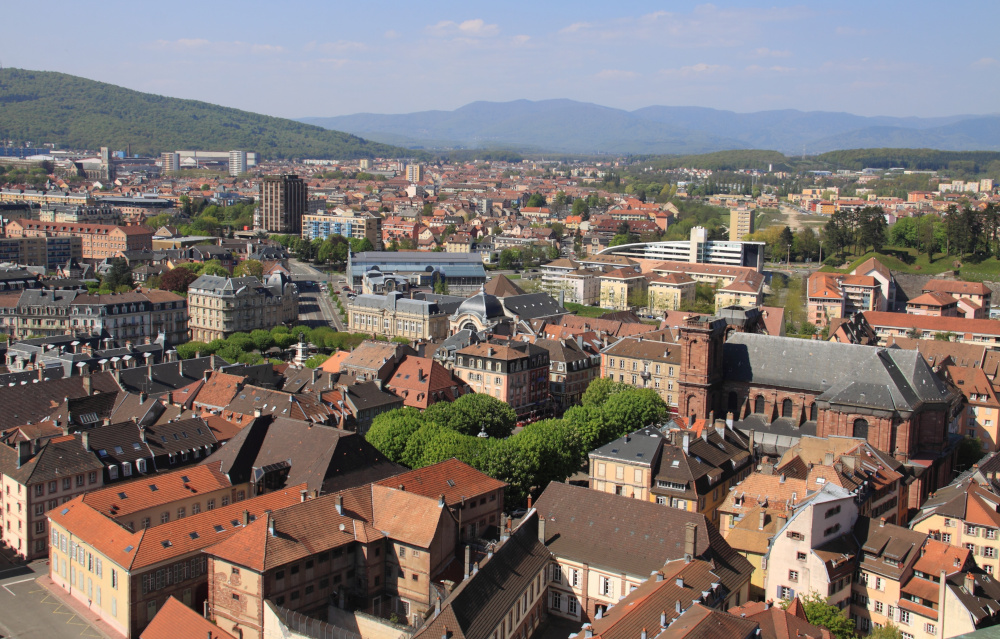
point(74, 112)
point(580, 127)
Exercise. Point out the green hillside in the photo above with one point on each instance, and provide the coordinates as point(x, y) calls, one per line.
point(74, 112)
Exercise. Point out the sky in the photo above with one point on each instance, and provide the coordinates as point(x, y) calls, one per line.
point(325, 58)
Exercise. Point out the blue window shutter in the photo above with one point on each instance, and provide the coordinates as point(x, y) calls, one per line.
point(778, 595)
point(793, 593)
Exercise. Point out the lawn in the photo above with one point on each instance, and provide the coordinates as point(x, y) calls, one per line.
point(586, 311)
point(907, 260)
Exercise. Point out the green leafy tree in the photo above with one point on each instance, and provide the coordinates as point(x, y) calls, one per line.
point(970, 451)
point(591, 426)
point(285, 340)
point(600, 390)
point(579, 206)
point(316, 360)
point(628, 411)
point(509, 258)
point(888, 631)
point(537, 200)
point(785, 242)
point(120, 274)
point(825, 615)
point(189, 350)
point(413, 453)
point(249, 268)
point(472, 413)
point(213, 267)
point(620, 239)
point(262, 339)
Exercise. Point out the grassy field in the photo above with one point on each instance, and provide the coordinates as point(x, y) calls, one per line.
point(788, 292)
point(907, 260)
point(586, 311)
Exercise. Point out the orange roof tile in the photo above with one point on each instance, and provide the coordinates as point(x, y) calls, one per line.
point(155, 490)
point(452, 478)
point(175, 620)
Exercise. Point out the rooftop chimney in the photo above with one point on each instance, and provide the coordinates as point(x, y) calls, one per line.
point(23, 452)
point(677, 606)
point(679, 582)
point(588, 630)
point(87, 385)
point(246, 517)
point(270, 526)
point(761, 521)
point(720, 428)
point(86, 440)
point(690, 540)
point(468, 557)
point(828, 459)
point(970, 583)
point(729, 419)
point(303, 494)
point(658, 575)
point(881, 522)
point(541, 529)
point(643, 635)
point(441, 502)
point(663, 619)
point(686, 441)
point(340, 504)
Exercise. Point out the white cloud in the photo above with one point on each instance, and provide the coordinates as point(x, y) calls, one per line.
point(469, 28)
point(521, 39)
point(700, 69)
point(755, 68)
point(576, 26)
point(221, 48)
point(986, 62)
point(343, 45)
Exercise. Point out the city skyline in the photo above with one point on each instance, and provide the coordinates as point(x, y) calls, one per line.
point(319, 60)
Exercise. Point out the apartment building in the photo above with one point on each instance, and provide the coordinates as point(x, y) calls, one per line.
point(975, 292)
point(963, 514)
point(358, 225)
point(934, 304)
point(746, 289)
point(121, 316)
point(741, 223)
point(125, 577)
point(573, 364)
point(98, 241)
point(668, 292)
point(221, 306)
point(985, 332)
point(622, 289)
point(168, 315)
point(36, 476)
point(813, 551)
point(604, 546)
point(644, 361)
point(626, 466)
point(516, 373)
point(50, 252)
point(282, 204)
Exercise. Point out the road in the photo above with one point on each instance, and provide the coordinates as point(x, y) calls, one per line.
point(315, 306)
point(29, 611)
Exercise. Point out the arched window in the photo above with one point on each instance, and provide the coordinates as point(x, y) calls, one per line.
point(758, 405)
point(813, 412)
point(786, 408)
point(734, 402)
point(861, 428)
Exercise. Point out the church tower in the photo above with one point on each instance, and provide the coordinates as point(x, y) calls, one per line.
point(701, 341)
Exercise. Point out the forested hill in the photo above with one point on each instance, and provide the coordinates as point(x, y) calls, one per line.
point(74, 112)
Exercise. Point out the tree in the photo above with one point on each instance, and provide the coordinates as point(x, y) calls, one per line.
point(826, 615)
point(620, 239)
point(508, 258)
point(472, 413)
point(390, 431)
point(120, 274)
point(579, 206)
point(249, 268)
point(441, 287)
point(213, 267)
point(786, 240)
point(177, 280)
point(285, 340)
point(316, 360)
point(600, 390)
point(628, 411)
point(537, 200)
point(191, 349)
point(970, 451)
point(888, 631)
point(262, 339)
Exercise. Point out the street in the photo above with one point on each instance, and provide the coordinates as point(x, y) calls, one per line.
point(29, 611)
point(315, 306)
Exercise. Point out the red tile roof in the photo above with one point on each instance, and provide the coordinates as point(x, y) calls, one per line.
point(132, 550)
point(421, 381)
point(932, 299)
point(452, 478)
point(154, 490)
point(219, 390)
point(175, 620)
point(933, 323)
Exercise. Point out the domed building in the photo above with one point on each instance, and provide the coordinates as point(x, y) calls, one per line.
point(478, 313)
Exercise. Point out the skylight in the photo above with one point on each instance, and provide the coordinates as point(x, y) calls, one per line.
point(64, 511)
point(153, 487)
point(193, 535)
point(129, 548)
point(122, 496)
point(102, 453)
point(119, 450)
point(185, 479)
point(166, 543)
point(218, 528)
point(137, 445)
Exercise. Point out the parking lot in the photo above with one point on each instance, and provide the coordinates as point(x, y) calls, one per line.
point(30, 611)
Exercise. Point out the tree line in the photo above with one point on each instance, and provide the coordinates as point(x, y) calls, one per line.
point(545, 451)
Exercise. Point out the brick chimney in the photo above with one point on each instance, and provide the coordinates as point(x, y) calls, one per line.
point(690, 541)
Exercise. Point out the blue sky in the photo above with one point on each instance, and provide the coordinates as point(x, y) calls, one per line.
point(296, 59)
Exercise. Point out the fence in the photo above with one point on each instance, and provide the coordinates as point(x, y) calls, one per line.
point(310, 627)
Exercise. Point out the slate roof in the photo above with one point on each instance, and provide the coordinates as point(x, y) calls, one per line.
point(888, 379)
point(477, 605)
point(502, 286)
point(641, 448)
point(702, 622)
point(61, 456)
point(628, 535)
point(321, 457)
point(167, 376)
point(532, 306)
point(178, 436)
point(34, 401)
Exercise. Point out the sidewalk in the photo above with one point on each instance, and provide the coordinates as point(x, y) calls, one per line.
point(79, 608)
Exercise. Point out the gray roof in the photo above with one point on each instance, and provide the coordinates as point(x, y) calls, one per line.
point(483, 305)
point(879, 378)
point(450, 264)
point(532, 306)
point(223, 285)
point(397, 301)
point(640, 447)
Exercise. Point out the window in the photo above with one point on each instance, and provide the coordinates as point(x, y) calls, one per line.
point(113, 472)
point(989, 552)
point(165, 517)
point(556, 574)
point(946, 538)
point(832, 511)
point(930, 628)
point(793, 575)
point(638, 476)
point(970, 529)
point(39, 490)
point(210, 505)
point(879, 608)
point(195, 508)
point(784, 592)
point(758, 405)
point(861, 428)
point(181, 512)
point(556, 600)
point(606, 586)
point(52, 486)
point(904, 616)
point(67, 483)
point(79, 481)
point(801, 556)
point(786, 408)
